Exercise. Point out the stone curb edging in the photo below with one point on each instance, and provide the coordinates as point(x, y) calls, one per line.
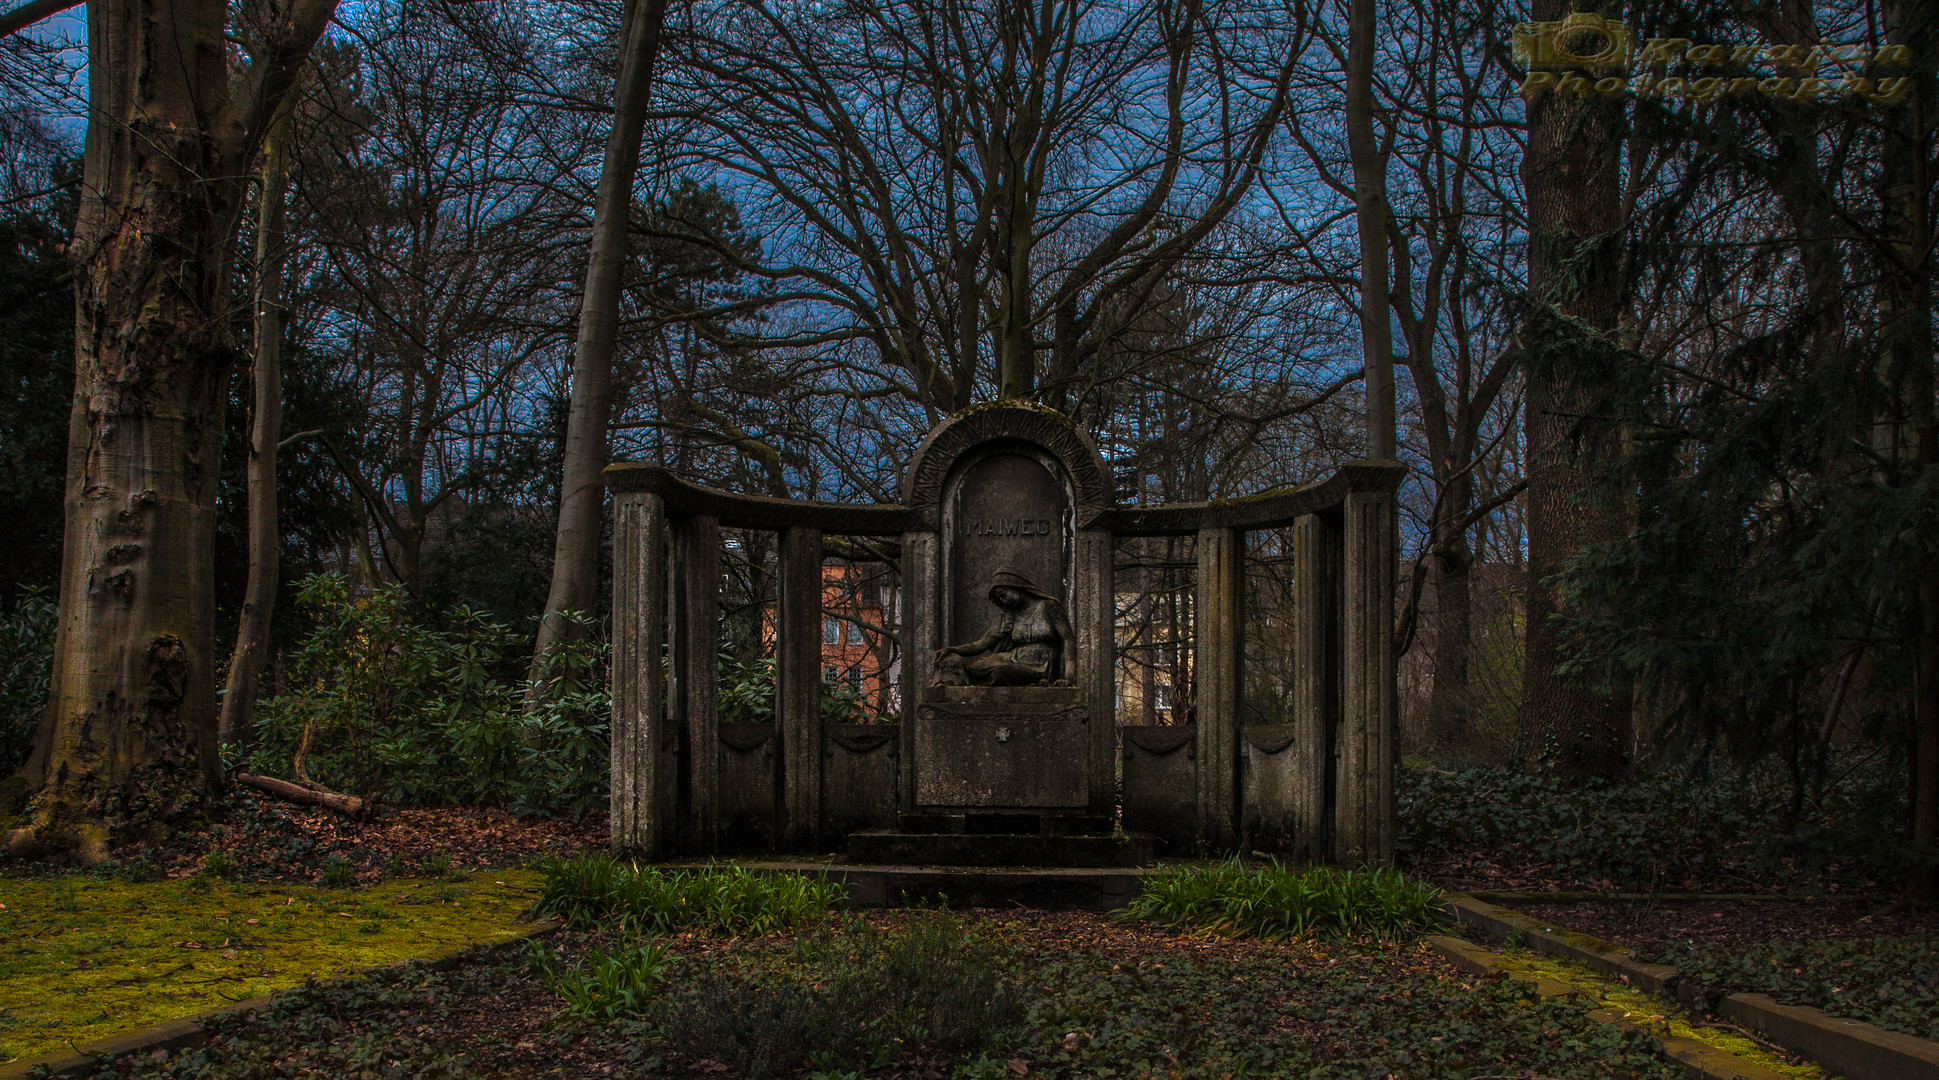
point(1843, 1047)
point(1853, 1048)
point(1698, 1060)
point(186, 1032)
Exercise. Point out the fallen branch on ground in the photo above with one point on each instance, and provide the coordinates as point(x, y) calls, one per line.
point(347, 805)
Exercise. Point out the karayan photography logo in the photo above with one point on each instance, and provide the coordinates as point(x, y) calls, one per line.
point(1588, 54)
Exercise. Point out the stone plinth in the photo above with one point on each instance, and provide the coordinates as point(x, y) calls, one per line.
point(999, 849)
point(1010, 749)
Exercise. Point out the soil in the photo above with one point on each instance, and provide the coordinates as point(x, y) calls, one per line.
point(1661, 931)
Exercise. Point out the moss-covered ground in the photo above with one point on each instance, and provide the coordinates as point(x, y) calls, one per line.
point(82, 957)
point(1653, 1014)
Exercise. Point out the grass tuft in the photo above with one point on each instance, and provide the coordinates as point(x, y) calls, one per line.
point(1280, 903)
point(602, 893)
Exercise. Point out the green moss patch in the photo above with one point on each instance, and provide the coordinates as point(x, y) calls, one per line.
point(82, 958)
point(1651, 1013)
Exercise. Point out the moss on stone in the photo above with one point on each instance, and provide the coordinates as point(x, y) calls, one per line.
point(1647, 1011)
point(82, 958)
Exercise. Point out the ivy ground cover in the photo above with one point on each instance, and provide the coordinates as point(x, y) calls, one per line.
point(923, 994)
point(1891, 982)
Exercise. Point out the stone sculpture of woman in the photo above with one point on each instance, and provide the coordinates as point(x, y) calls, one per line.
point(1025, 646)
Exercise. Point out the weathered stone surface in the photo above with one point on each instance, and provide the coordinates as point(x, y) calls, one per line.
point(1002, 748)
point(643, 744)
point(1161, 784)
point(1007, 510)
point(998, 849)
point(797, 667)
point(1020, 424)
point(1316, 679)
point(859, 777)
point(748, 806)
point(1219, 623)
point(1269, 787)
point(695, 667)
point(1363, 821)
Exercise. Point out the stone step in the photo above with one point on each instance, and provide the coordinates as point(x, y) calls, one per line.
point(1000, 849)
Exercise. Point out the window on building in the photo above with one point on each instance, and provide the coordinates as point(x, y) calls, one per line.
point(831, 631)
point(829, 675)
point(855, 676)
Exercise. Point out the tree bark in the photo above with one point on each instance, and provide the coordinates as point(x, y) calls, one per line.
point(1911, 436)
point(575, 553)
point(347, 805)
point(1370, 215)
point(1453, 633)
point(1572, 177)
point(266, 431)
point(130, 743)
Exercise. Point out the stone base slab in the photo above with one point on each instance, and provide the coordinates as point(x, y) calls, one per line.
point(999, 849)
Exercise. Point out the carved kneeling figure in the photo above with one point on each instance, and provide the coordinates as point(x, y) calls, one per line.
point(1025, 646)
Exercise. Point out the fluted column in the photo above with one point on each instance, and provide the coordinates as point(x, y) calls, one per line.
point(797, 666)
point(642, 749)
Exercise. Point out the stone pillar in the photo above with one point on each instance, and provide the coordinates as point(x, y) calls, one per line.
point(1093, 623)
point(698, 572)
point(640, 792)
point(921, 616)
point(1219, 623)
point(797, 668)
point(1363, 828)
point(1316, 686)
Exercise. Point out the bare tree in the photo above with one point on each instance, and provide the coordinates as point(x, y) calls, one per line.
point(446, 232)
point(983, 195)
point(128, 742)
point(575, 555)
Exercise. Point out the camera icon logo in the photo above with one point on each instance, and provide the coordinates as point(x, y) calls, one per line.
point(1582, 41)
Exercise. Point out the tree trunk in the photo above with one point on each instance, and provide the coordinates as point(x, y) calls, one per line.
point(1454, 623)
point(1906, 357)
point(1571, 174)
point(575, 552)
point(130, 743)
point(259, 597)
point(1370, 215)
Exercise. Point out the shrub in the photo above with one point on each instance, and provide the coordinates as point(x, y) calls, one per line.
point(593, 892)
point(747, 694)
point(855, 999)
point(26, 661)
point(417, 713)
point(1278, 903)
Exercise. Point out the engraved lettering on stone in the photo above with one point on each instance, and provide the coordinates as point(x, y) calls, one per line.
point(1019, 526)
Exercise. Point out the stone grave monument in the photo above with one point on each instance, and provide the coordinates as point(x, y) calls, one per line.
point(1008, 750)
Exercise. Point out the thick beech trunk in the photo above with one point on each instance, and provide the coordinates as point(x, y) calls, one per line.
point(265, 543)
point(1572, 176)
point(575, 551)
point(129, 742)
